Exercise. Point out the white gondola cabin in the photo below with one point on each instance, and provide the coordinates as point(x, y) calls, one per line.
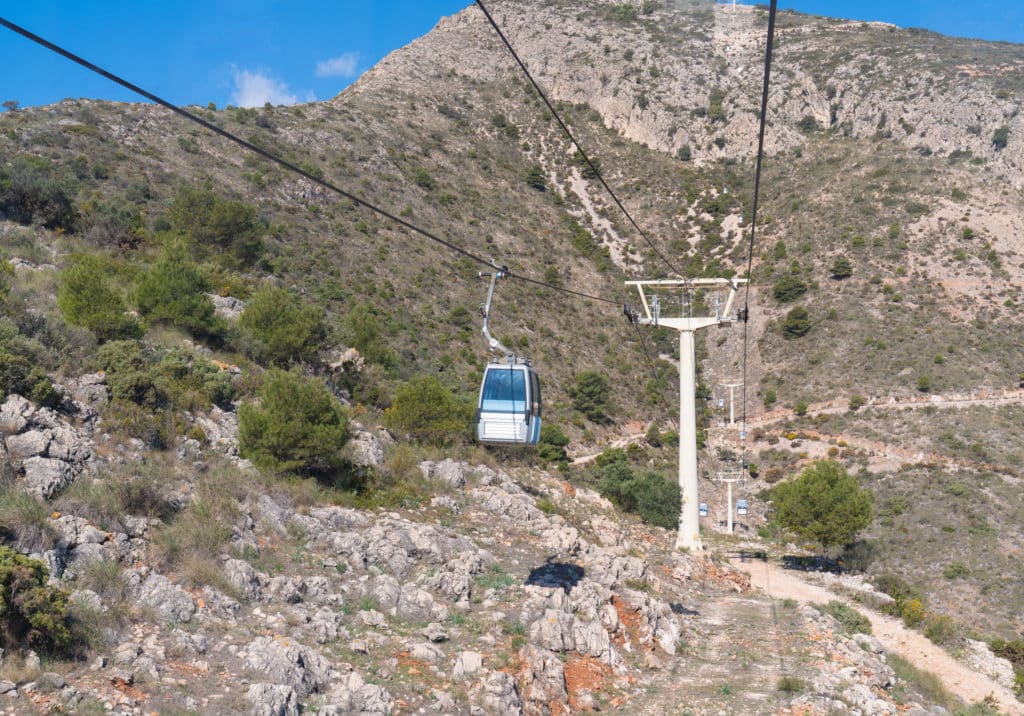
point(741, 507)
point(509, 408)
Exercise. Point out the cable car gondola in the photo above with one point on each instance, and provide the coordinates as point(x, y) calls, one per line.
point(509, 406)
point(741, 507)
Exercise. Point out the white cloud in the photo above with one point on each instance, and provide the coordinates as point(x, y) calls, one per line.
point(344, 65)
point(255, 89)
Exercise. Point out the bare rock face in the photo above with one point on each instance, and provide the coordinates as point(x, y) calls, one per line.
point(500, 695)
point(171, 602)
point(226, 306)
point(286, 662)
point(352, 695)
point(273, 700)
point(46, 447)
point(981, 658)
point(544, 680)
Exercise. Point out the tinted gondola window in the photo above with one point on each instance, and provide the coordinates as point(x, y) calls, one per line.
point(504, 391)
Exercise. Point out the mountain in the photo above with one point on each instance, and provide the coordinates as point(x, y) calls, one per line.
point(217, 582)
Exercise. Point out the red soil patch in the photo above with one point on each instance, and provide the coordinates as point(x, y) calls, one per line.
point(584, 673)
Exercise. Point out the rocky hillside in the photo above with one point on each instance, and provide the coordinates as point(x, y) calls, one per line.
point(160, 279)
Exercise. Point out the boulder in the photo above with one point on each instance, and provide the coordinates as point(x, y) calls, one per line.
point(172, 603)
point(284, 661)
point(272, 700)
point(45, 476)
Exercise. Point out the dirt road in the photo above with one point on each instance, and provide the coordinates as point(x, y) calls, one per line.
point(958, 678)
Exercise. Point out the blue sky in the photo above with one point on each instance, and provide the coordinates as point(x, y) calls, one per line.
point(247, 52)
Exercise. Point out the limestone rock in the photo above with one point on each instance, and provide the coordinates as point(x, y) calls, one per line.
point(287, 662)
point(272, 700)
point(171, 602)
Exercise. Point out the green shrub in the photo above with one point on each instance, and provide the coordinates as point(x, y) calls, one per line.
point(647, 494)
point(790, 684)
point(857, 402)
point(940, 629)
point(684, 153)
point(823, 504)
point(32, 614)
point(366, 334)
point(590, 395)
point(841, 268)
point(296, 426)
point(800, 408)
point(852, 621)
point(18, 375)
point(426, 411)
point(130, 375)
point(955, 570)
point(788, 288)
point(797, 323)
point(87, 298)
point(231, 231)
point(113, 224)
point(173, 292)
point(535, 178)
point(924, 383)
point(32, 191)
point(770, 397)
point(285, 331)
point(1000, 137)
point(552, 443)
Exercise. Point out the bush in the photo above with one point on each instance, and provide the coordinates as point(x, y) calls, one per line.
point(230, 230)
point(788, 288)
point(173, 292)
point(18, 375)
point(535, 178)
point(941, 629)
point(824, 504)
point(1000, 137)
point(770, 397)
point(590, 396)
point(426, 411)
point(647, 494)
point(800, 408)
point(366, 335)
point(852, 621)
point(87, 299)
point(297, 426)
point(797, 323)
point(857, 402)
point(285, 331)
point(113, 224)
point(912, 611)
point(32, 614)
point(551, 446)
point(32, 191)
point(129, 374)
point(842, 268)
point(924, 383)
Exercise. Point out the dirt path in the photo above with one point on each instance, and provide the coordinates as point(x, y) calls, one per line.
point(891, 633)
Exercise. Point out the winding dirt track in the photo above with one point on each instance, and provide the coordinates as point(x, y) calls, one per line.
point(958, 678)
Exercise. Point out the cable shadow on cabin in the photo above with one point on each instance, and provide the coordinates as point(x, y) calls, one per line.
point(555, 575)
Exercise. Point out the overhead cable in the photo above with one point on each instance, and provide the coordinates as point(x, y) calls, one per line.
point(757, 189)
point(282, 162)
point(572, 138)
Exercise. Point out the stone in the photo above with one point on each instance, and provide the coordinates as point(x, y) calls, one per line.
point(425, 652)
point(285, 661)
point(272, 700)
point(367, 449)
point(45, 476)
point(27, 444)
point(242, 577)
point(435, 632)
point(172, 603)
point(14, 414)
point(501, 695)
point(226, 306)
point(544, 677)
point(554, 631)
point(448, 471)
point(981, 659)
point(466, 663)
point(352, 695)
